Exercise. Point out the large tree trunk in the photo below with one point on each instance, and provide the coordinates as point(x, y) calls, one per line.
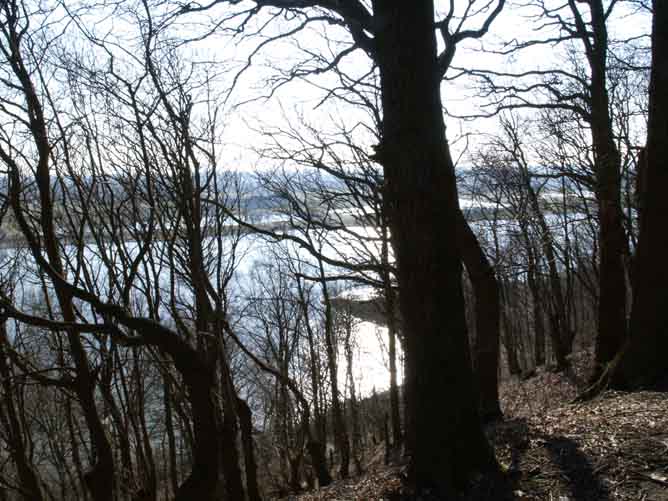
point(644, 363)
point(203, 479)
point(444, 432)
point(229, 430)
point(612, 237)
point(317, 453)
point(250, 465)
point(487, 314)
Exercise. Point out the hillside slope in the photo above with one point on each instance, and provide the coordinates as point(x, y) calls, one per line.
point(614, 448)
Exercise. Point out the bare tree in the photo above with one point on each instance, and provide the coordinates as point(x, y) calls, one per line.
point(582, 88)
point(641, 364)
point(129, 213)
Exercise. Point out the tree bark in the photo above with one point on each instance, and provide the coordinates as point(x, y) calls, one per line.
point(643, 363)
point(612, 238)
point(445, 435)
point(246, 425)
point(229, 429)
point(487, 315)
point(203, 479)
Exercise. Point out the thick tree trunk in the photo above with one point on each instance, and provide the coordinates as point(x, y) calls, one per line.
point(612, 279)
point(444, 430)
point(487, 315)
point(612, 237)
point(246, 425)
point(318, 461)
point(644, 363)
point(230, 456)
point(100, 478)
point(202, 482)
point(229, 429)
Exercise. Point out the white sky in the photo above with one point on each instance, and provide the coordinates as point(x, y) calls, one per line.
point(299, 99)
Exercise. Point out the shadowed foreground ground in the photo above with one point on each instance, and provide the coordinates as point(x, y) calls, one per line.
point(614, 448)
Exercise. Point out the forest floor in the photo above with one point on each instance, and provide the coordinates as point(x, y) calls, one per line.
point(613, 448)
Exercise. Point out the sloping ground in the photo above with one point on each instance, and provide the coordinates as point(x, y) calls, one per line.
point(545, 390)
point(380, 483)
point(614, 448)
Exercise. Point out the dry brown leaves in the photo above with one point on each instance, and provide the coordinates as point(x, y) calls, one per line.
point(614, 448)
point(375, 485)
point(546, 390)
